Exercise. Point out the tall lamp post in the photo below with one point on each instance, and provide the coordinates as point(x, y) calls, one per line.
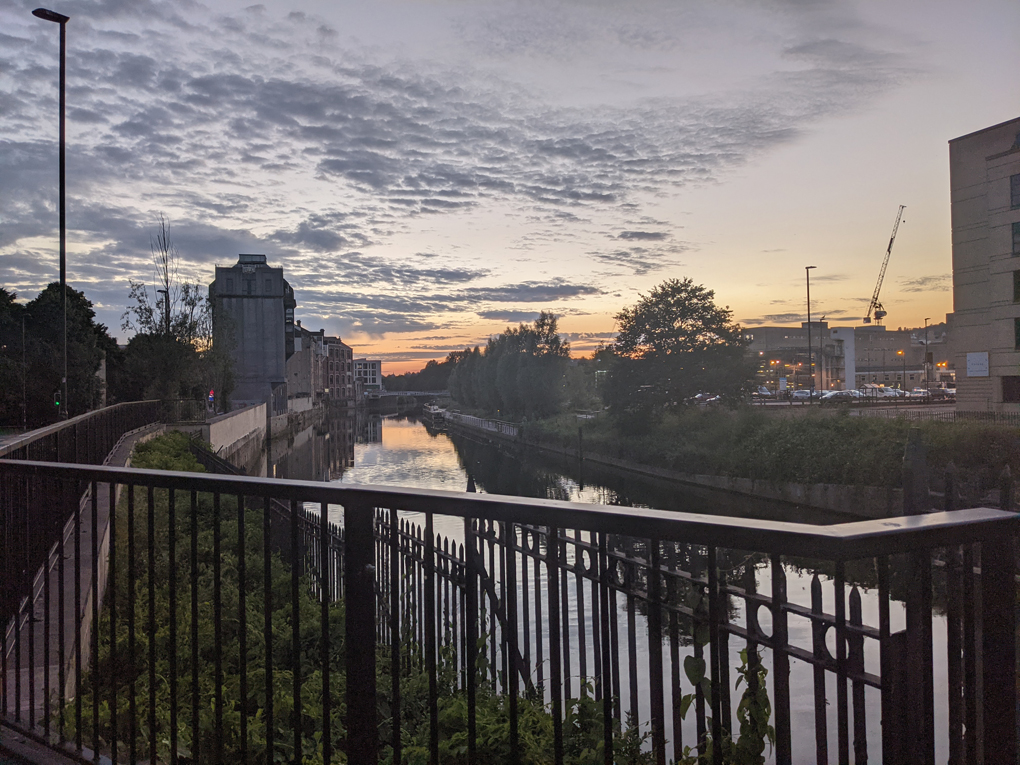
point(927, 384)
point(903, 358)
point(61, 19)
point(811, 363)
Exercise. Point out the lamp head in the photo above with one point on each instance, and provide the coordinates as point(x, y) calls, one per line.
point(808, 268)
point(48, 15)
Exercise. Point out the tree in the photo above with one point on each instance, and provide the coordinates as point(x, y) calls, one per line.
point(173, 353)
point(674, 343)
point(177, 308)
point(40, 359)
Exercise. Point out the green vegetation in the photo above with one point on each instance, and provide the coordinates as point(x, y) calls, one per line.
point(814, 447)
point(519, 374)
point(40, 358)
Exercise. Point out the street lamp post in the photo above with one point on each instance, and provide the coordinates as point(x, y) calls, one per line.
point(927, 384)
point(811, 363)
point(61, 19)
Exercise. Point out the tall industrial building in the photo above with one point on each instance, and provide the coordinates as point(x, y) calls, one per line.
point(253, 315)
point(984, 177)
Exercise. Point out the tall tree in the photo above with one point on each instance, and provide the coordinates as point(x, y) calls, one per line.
point(674, 343)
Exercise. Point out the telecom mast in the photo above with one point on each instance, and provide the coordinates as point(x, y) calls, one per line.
point(876, 309)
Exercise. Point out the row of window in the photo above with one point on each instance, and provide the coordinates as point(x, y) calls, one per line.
point(1014, 191)
point(249, 286)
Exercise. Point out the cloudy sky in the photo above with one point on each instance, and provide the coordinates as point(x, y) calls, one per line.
point(428, 171)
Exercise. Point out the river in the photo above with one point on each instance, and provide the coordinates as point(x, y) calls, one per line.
point(401, 451)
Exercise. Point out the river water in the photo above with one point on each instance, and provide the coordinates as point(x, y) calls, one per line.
point(401, 451)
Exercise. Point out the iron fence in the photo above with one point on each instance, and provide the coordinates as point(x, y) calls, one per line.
point(251, 620)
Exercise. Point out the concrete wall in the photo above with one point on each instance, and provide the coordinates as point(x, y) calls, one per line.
point(227, 429)
point(299, 404)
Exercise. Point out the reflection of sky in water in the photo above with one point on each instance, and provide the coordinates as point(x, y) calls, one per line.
point(408, 456)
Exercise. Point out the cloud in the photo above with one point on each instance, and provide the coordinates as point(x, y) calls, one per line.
point(647, 236)
point(935, 283)
point(509, 315)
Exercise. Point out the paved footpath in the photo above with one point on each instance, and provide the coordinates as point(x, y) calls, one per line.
point(34, 646)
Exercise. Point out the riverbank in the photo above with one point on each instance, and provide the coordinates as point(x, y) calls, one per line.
point(839, 463)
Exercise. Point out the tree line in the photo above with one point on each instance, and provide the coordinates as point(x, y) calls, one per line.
point(673, 344)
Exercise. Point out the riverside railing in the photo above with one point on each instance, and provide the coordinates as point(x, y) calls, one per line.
point(213, 647)
point(494, 426)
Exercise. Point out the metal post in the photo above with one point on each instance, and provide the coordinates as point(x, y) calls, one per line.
point(811, 363)
point(359, 584)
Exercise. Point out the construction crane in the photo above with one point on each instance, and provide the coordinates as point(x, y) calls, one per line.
point(876, 309)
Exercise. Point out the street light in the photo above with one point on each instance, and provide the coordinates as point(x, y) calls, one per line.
point(926, 383)
point(903, 358)
point(811, 363)
point(59, 18)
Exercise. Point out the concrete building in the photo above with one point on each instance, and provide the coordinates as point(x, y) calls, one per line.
point(369, 373)
point(340, 382)
point(253, 315)
point(897, 358)
point(785, 364)
point(306, 369)
point(984, 179)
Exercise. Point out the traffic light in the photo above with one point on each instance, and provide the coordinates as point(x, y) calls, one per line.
point(56, 399)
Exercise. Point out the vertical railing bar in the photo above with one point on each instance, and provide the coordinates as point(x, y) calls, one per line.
point(607, 670)
point(970, 656)
point(195, 721)
point(172, 553)
point(714, 620)
point(132, 669)
point(842, 698)
point(539, 626)
point(998, 648)
point(112, 580)
point(242, 632)
point(267, 627)
point(632, 670)
point(509, 534)
point(856, 643)
point(471, 621)
point(555, 678)
point(430, 637)
point(889, 745)
point(565, 617)
point(151, 577)
point(94, 631)
point(78, 627)
point(655, 653)
point(614, 653)
point(61, 646)
point(324, 565)
point(217, 628)
point(394, 594)
point(47, 647)
point(676, 697)
point(818, 649)
point(724, 654)
point(295, 646)
point(780, 662)
point(582, 646)
point(359, 573)
point(30, 609)
point(525, 605)
point(503, 551)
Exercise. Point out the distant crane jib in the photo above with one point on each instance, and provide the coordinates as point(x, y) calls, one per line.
point(875, 308)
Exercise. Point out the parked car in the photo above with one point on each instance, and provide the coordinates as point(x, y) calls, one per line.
point(803, 395)
point(762, 392)
point(919, 394)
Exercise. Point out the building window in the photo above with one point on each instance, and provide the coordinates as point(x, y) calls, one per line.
point(230, 282)
point(1016, 239)
point(1014, 191)
point(1016, 286)
point(1016, 334)
point(1011, 389)
point(249, 286)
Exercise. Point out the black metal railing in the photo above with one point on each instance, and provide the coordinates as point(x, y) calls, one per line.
point(245, 619)
point(86, 439)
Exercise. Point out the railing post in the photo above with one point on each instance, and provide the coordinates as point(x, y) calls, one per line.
point(359, 586)
point(998, 648)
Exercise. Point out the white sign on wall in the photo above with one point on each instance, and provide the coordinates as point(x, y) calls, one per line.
point(977, 364)
point(782, 383)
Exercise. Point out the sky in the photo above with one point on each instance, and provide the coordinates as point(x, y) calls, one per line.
point(429, 171)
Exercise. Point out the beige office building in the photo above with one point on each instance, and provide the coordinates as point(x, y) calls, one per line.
point(984, 172)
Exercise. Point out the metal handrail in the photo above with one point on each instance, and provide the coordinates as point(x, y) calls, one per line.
point(844, 541)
